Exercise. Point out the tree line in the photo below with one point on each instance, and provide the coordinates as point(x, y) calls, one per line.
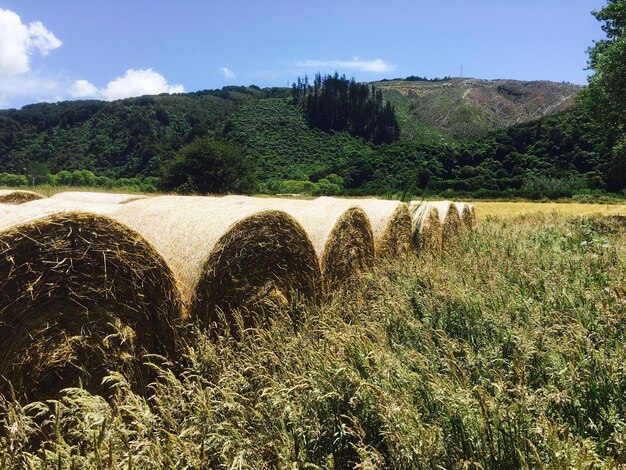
point(334, 103)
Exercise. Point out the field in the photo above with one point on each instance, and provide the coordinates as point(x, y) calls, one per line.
point(507, 352)
point(513, 209)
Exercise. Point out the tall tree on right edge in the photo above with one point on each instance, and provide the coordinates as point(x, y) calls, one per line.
point(605, 96)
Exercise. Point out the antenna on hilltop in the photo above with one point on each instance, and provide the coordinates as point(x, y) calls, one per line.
point(461, 70)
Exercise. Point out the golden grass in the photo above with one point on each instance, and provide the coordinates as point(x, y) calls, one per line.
point(513, 209)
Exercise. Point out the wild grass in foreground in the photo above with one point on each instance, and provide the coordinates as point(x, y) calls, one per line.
point(507, 353)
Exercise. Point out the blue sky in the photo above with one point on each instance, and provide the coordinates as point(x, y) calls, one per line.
point(71, 49)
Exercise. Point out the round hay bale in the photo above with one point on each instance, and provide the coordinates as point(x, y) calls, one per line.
point(52, 205)
point(391, 224)
point(473, 214)
point(80, 295)
point(427, 228)
point(450, 222)
point(228, 256)
point(341, 234)
point(18, 196)
point(467, 214)
point(97, 198)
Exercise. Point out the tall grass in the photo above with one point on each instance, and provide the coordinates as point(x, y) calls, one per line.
point(507, 353)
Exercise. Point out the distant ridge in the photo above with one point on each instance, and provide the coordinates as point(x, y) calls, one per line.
point(462, 107)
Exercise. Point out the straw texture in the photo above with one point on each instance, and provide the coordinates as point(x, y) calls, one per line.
point(391, 224)
point(96, 198)
point(427, 228)
point(340, 233)
point(467, 213)
point(18, 196)
point(80, 295)
point(450, 222)
point(228, 256)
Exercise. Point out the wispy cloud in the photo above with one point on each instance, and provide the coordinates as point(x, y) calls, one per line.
point(228, 73)
point(132, 83)
point(376, 65)
point(29, 86)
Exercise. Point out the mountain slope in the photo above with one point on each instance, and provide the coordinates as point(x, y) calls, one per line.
point(123, 138)
point(460, 107)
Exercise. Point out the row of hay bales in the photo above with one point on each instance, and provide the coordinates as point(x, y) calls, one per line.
point(93, 282)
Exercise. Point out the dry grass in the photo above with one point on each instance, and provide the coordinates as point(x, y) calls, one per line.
point(507, 352)
point(514, 209)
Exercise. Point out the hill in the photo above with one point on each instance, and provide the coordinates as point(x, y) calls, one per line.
point(459, 107)
point(123, 138)
point(458, 151)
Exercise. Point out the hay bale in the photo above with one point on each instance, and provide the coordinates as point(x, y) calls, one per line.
point(473, 214)
point(52, 205)
point(80, 295)
point(427, 228)
point(450, 222)
point(18, 196)
point(97, 198)
point(228, 256)
point(391, 224)
point(341, 234)
point(467, 213)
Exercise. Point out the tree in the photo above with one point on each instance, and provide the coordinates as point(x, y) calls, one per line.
point(37, 173)
point(606, 94)
point(208, 166)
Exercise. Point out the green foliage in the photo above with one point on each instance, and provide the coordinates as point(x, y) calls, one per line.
point(82, 178)
point(37, 172)
point(118, 139)
point(336, 104)
point(606, 94)
point(506, 353)
point(562, 147)
point(208, 166)
point(136, 138)
point(10, 180)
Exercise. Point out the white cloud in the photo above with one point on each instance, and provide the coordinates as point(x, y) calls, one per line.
point(83, 89)
point(228, 73)
point(137, 83)
point(132, 83)
point(376, 65)
point(19, 41)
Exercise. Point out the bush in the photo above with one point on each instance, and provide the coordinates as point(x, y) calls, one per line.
point(208, 166)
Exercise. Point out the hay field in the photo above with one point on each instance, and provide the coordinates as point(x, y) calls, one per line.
point(506, 352)
point(512, 209)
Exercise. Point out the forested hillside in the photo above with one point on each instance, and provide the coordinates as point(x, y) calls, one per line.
point(554, 155)
point(294, 143)
point(122, 138)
